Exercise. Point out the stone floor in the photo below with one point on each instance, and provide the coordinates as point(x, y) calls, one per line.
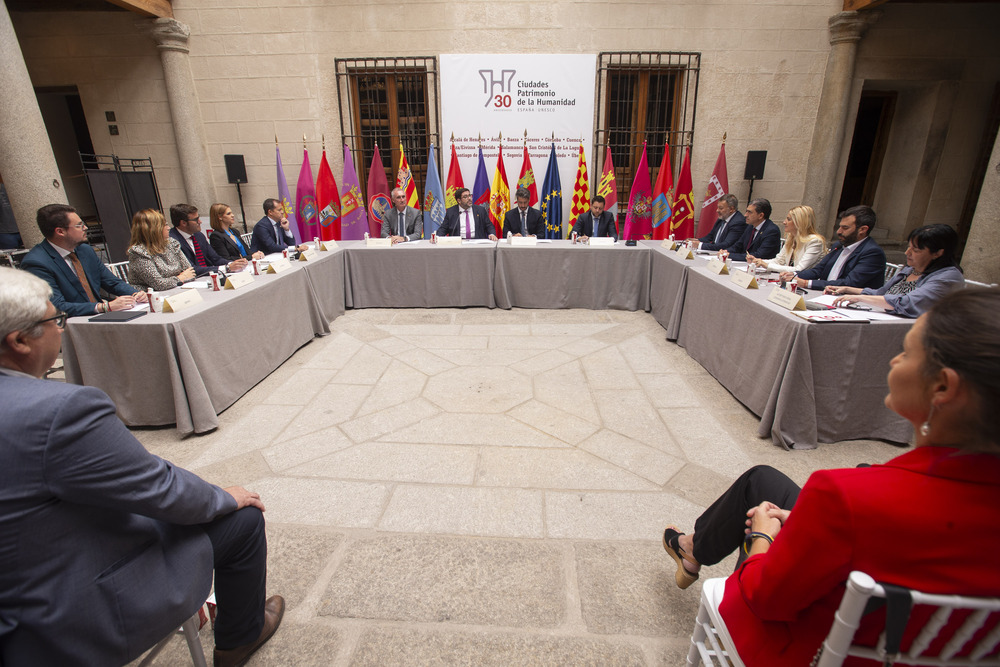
point(484, 487)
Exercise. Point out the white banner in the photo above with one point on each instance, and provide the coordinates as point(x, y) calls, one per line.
point(549, 96)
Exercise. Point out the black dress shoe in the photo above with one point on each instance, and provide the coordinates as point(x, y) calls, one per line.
point(274, 609)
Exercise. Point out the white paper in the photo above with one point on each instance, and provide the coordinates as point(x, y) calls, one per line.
point(140, 306)
point(197, 284)
point(477, 242)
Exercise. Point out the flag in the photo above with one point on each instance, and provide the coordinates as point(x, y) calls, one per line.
point(353, 221)
point(718, 186)
point(454, 180)
point(434, 206)
point(663, 197)
point(682, 221)
point(638, 217)
point(608, 188)
point(527, 178)
point(378, 195)
point(404, 180)
point(551, 199)
point(328, 202)
point(286, 197)
point(581, 191)
point(481, 187)
point(306, 212)
point(499, 194)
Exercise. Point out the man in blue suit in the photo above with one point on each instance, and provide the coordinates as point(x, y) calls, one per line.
point(194, 245)
point(728, 229)
point(761, 238)
point(72, 269)
point(858, 262)
point(273, 233)
point(595, 222)
point(465, 214)
point(105, 548)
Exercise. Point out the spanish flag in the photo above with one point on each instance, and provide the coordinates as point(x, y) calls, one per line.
point(499, 194)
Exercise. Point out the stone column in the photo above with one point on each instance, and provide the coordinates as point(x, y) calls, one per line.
point(822, 172)
point(980, 257)
point(27, 163)
point(172, 39)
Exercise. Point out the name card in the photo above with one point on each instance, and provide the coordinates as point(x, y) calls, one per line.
point(328, 245)
point(307, 255)
point(178, 302)
point(744, 279)
point(786, 299)
point(601, 241)
point(378, 243)
point(684, 252)
point(279, 265)
point(523, 240)
point(669, 245)
point(449, 240)
point(238, 280)
point(718, 267)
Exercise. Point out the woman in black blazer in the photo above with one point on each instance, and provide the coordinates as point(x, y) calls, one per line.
point(224, 240)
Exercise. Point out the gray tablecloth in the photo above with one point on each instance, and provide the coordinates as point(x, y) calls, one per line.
point(187, 367)
point(563, 275)
point(667, 287)
point(418, 275)
point(808, 382)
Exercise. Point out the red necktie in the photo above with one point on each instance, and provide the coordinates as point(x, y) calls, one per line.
point(753, 232)
point(199, 257)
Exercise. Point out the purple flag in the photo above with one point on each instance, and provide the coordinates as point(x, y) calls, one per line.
point(481, 187)
point(353, 219)
point(306, 212)
point(286, 198)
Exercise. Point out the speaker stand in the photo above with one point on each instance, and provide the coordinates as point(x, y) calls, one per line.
point(244, 213)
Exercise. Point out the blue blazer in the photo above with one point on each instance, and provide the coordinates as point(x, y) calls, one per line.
point(212, 259)
point(101, 555)
point(733, 232)
point(536, 223)
point(452, 226)
point(864, 268)
point(67, 293)
point(766, 243)
point(263, 238)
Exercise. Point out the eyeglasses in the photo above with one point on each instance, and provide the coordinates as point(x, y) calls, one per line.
point(59, 318)
point(79, 225)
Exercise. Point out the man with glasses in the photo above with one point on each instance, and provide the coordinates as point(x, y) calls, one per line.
point(199, 252)
point(104, 548)
point(402, 223)
point(72, 269)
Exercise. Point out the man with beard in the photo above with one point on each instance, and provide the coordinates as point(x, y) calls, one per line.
point(858, 262)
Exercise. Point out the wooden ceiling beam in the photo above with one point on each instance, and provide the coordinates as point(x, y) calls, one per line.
point(160, 9)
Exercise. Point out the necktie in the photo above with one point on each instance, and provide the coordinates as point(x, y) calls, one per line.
point(524, 224)
point(596, 220)
point(278, 235)
point(721, 230)
point(81, 276)
point(399, 217)
point(199, 257)
point(753, 233)
point(467, 232)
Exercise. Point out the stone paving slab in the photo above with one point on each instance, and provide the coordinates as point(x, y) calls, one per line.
point(456, 510)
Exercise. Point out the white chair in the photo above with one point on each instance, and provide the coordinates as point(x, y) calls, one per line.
point(247, 238)
point(891, 270)
point(190, 631)
point(712, 645)
point(120, 269)
point(976, 283)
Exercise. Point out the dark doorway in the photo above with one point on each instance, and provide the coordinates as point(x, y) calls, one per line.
point(66, 124)
point(871, 134)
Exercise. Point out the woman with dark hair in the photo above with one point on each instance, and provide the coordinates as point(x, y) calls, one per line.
point(930, 273)
point(928, 520)
point(223, 239)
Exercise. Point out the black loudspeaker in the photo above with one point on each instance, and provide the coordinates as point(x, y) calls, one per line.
point(755, 165)
point(236, 168)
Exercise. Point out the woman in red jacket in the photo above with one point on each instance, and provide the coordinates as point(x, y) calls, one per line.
point(929, 519)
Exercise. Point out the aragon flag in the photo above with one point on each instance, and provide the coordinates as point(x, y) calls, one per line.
point(454, 180)
point(378, 195)
point(527, 178)
point(328, 202)
point(404, 180)
point(353, 220)
point(499, 194)
point(682, 222)
point(663, 197)
point(581, 192)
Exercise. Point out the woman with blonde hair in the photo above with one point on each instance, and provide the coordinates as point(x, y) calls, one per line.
point(803, 246)
point(154, 259)
point(224, 240)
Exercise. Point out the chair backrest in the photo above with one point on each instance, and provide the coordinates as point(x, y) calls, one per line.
point(860, 587)
point(120, 269)
point(12, 258)
point(246, 238)
point(976, 283)
point(891, 270)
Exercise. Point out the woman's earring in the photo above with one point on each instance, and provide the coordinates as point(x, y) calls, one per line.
point(925, 428)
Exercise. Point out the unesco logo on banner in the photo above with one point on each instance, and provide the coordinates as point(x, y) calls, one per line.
point(491, 82)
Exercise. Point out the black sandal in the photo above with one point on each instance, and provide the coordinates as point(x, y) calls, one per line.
point(671, 542)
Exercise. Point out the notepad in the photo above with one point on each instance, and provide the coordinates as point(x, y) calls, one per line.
point(118, 316)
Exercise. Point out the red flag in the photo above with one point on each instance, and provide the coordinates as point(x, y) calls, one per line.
point(499, 195)
point(608, 188)
point(378, 195)
point(581, 191)
point(682, 222)
point(638, 217)
point(527, 178)
point(454, 180)
point(328, 201)
point(718, 186)
point(663, 197)
point(306, 212)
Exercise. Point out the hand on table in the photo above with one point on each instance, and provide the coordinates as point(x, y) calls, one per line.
point(125, 302)
point(186, 275)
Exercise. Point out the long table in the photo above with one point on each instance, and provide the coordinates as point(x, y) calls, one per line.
point(185, 368)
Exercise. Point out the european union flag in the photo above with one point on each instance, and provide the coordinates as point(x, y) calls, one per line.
point(550, 199)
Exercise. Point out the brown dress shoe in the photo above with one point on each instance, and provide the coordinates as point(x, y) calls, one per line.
point(274, 609)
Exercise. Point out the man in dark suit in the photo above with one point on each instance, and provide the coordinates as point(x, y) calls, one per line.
point(595, 222)
point(272, 233)
point(728, 228)
point(523, 220)
point(402, 223)
point(467, 220)
point(761, 238)
point(858, 262)
point(104, 548)
point(194, 245)
point(72, 268)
